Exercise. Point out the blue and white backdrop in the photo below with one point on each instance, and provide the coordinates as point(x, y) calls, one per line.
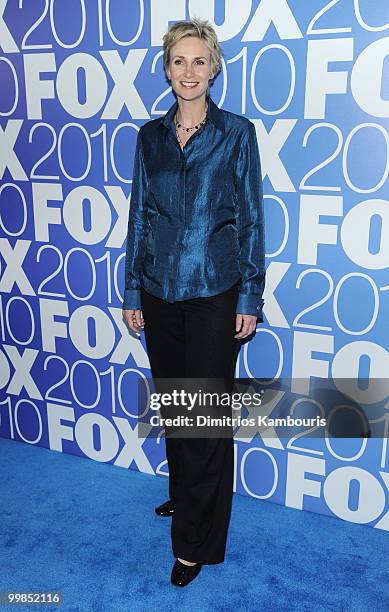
point(78, 78)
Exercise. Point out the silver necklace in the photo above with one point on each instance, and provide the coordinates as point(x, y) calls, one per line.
point(188, 129)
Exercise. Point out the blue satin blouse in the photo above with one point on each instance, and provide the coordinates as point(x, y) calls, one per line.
point(196, 218)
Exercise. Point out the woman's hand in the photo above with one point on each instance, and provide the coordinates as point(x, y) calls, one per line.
point(134, 319)
point(245, 325)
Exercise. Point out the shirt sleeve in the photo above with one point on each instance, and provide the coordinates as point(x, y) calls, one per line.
point(136, 230)
point(251, 230)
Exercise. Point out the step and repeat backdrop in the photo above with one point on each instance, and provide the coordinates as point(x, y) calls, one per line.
point(77, 80)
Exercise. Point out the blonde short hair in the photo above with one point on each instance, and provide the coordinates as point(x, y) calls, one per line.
point(203, 30)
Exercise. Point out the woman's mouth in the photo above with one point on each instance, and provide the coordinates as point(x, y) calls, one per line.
point(188, 84)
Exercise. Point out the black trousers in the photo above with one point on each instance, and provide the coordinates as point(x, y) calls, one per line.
point(195, 338)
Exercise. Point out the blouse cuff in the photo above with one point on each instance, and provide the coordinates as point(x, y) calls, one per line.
point(250, 304)
point(132, 299)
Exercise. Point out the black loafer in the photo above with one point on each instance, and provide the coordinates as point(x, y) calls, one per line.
point(184, 574)
point(165, 509)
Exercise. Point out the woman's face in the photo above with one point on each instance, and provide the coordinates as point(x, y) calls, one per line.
point(189, 67)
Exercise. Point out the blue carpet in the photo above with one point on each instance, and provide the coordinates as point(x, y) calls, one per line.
point(89, 530)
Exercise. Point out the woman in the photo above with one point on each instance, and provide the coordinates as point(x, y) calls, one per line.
point(194, 273)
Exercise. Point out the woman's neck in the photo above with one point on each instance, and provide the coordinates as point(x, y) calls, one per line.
point(191, 112)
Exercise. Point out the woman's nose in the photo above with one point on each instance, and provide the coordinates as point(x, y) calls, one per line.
point(188, 71)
